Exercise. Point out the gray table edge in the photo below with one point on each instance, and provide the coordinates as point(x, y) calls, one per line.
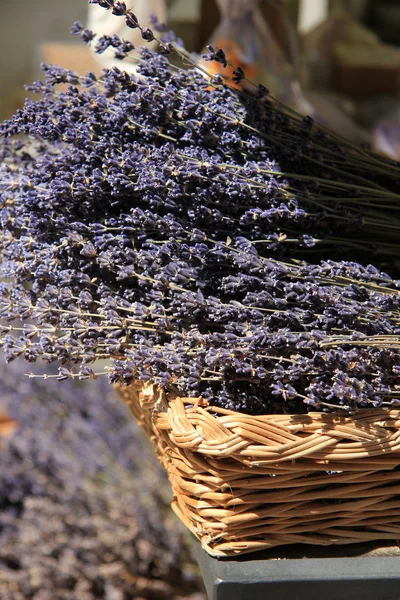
point(367, 578)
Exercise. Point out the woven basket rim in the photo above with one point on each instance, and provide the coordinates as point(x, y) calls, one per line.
point(171, 393)
point(218, 432)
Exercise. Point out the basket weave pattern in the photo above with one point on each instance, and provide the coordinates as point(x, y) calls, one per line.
point(244, 483)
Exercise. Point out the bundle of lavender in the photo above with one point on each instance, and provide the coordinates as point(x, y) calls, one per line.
point(152, 220)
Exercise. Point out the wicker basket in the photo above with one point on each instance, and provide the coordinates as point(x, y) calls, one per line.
point(244, 483)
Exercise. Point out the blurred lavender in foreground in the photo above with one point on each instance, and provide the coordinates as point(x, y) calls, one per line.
point(83, 510)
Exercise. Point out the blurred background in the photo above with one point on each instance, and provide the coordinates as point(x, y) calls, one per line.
point(336, 60)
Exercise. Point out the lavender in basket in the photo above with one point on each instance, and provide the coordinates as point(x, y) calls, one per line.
point(153, 219)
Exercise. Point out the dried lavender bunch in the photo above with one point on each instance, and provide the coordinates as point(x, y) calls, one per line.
point(135, 223)
point(326, 335)
point(207, 155)
point(80, 518)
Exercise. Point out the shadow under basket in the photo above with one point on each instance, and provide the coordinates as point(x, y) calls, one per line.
point(243, 483)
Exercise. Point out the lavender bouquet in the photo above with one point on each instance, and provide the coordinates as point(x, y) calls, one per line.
point(160, 221)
